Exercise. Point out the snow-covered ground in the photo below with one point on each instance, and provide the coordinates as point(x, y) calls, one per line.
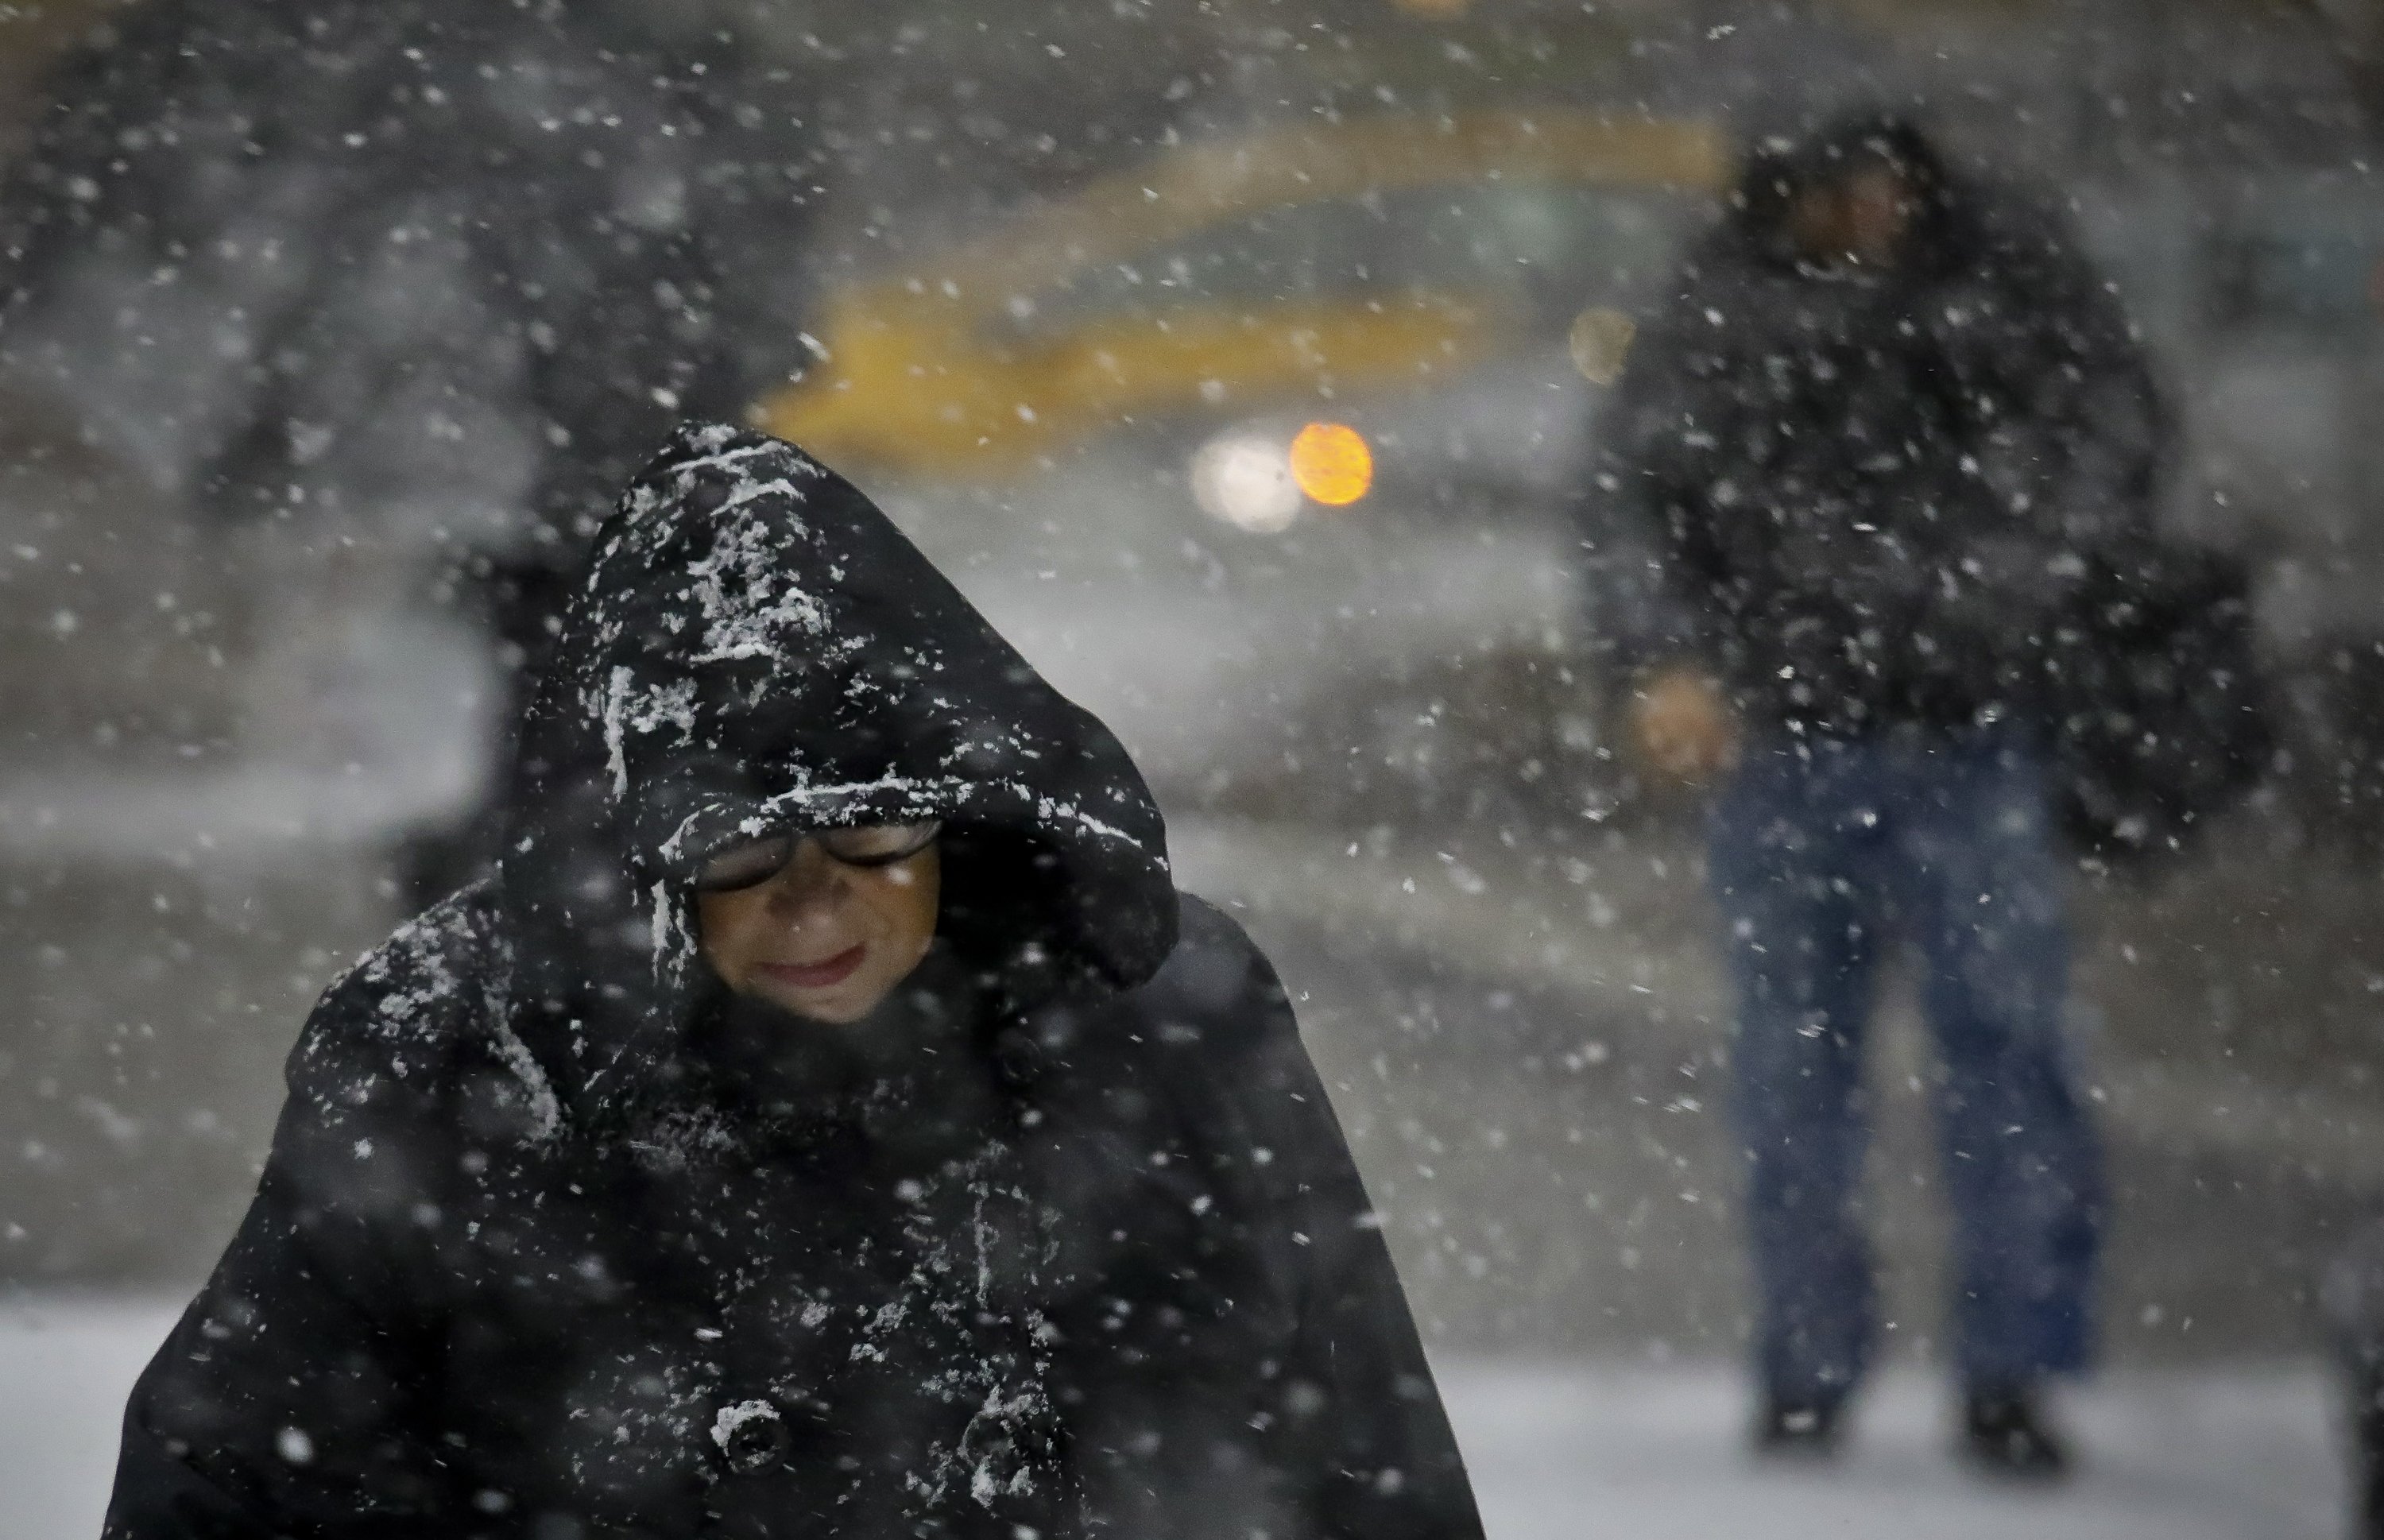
point(1559, 1450)
point(1577, 1451)
point(63, 1371)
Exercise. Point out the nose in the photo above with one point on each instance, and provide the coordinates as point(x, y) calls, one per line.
point(809, 886)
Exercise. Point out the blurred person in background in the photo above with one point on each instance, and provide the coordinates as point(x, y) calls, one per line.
point(419, 277)
point(1884, 438)
point(830, 1119)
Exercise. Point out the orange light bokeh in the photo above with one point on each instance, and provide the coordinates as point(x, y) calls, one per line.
point(1332, 464)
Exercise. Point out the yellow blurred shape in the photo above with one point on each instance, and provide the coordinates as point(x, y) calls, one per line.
point(936, 373)
point(1331, 463)
point(1600, 342)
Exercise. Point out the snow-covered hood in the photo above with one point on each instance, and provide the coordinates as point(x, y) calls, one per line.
point(755, 644)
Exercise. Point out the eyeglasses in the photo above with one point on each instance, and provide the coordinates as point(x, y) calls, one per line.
point(751, 862)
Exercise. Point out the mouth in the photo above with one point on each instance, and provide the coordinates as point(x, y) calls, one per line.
point(821, 975)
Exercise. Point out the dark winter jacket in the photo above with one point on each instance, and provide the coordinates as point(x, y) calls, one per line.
point(1875, 497)
point(557, 1241)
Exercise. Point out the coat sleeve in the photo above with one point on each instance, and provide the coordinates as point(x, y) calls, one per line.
point(2075, 431)
point(1647, 524)
point(1361, 1420)
point(289, 1399)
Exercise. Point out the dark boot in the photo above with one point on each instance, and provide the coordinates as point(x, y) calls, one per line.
point(1798, 1427)
point(2005, 1430)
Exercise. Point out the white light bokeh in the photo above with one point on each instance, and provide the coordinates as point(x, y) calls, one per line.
point(1244, 480)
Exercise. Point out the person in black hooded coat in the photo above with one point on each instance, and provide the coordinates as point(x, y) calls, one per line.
point(1890, 439)
point(563, 1237)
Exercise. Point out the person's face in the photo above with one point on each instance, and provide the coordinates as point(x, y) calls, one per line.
point(824, 937)
point(1860, 219)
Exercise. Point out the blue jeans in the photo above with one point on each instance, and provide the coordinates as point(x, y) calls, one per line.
point(1820, 852)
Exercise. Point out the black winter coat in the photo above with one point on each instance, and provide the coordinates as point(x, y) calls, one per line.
point(556, 1241)
point(1878, 498)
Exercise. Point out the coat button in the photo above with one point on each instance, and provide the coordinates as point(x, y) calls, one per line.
point(751, 1436)
point(1019, 1059)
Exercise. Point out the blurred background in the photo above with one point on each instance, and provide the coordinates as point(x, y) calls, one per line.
point(1245, 362)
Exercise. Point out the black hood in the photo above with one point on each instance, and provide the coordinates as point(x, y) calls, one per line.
point(755, 644)
point(1779, 172)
